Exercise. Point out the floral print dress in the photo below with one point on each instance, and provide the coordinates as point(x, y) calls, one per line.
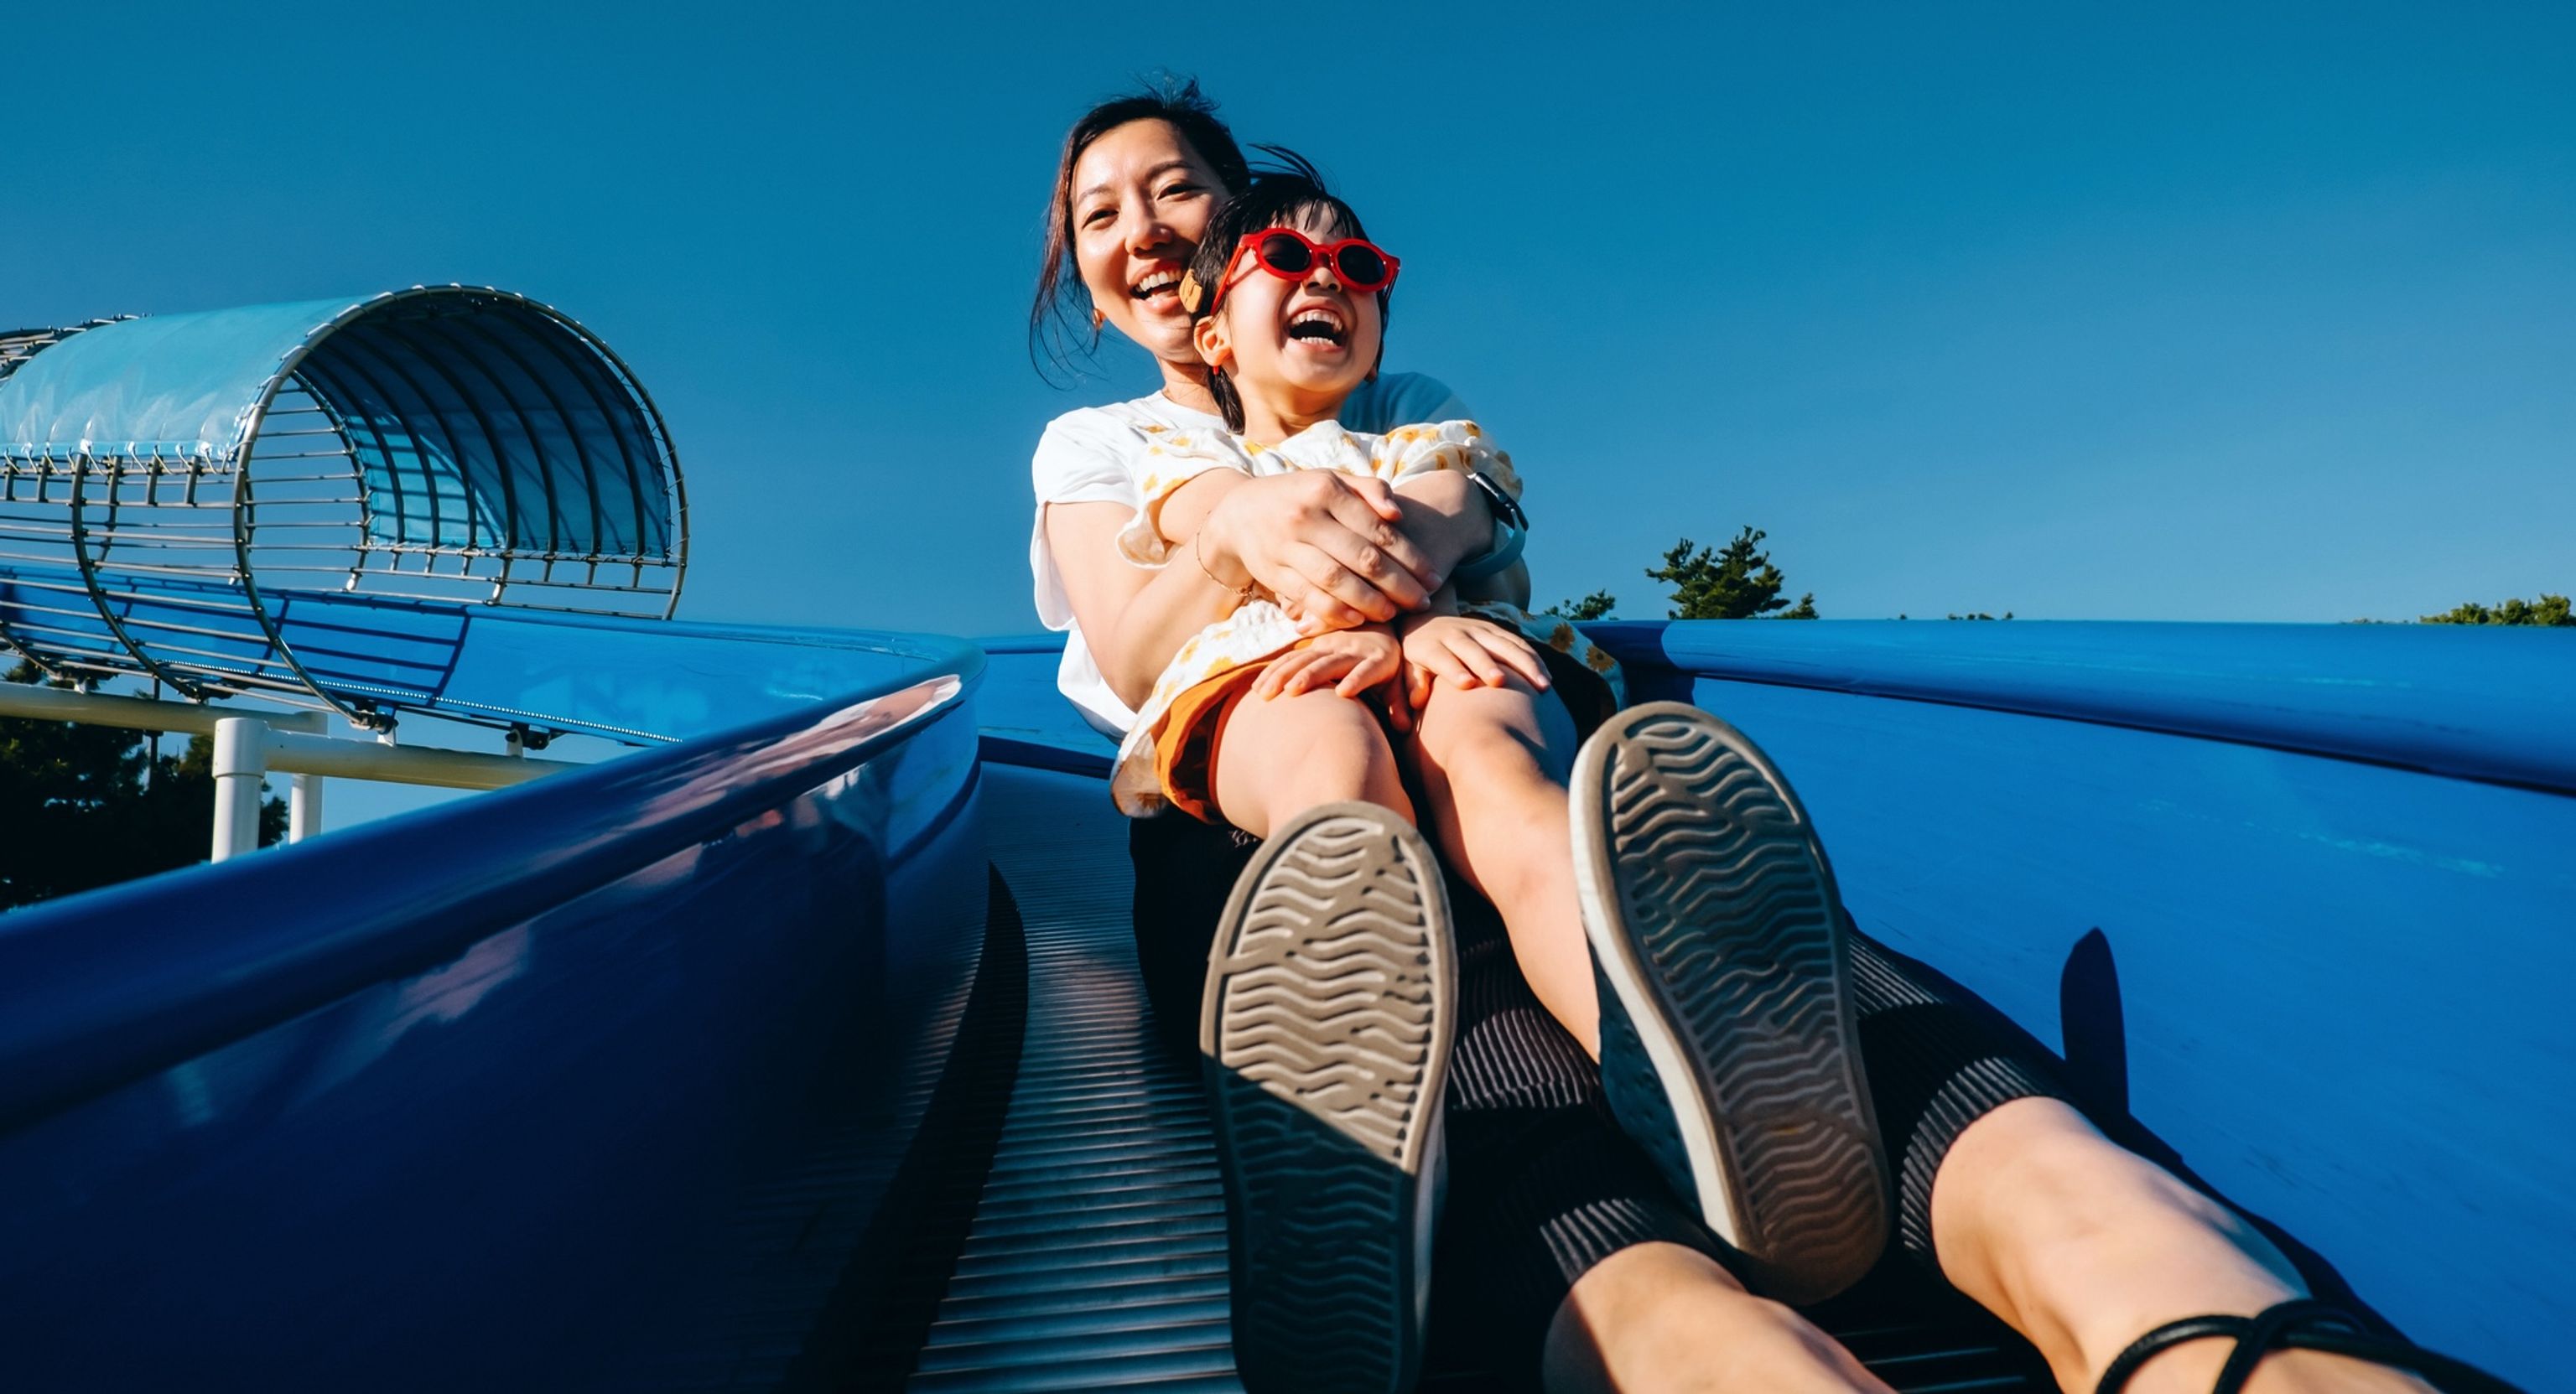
point(1260, 630)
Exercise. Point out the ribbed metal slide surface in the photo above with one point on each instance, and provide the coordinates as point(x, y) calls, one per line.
point(1096, 1258)
point(1097, 1255)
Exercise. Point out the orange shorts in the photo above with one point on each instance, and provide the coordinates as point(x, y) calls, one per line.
point(1185, 749)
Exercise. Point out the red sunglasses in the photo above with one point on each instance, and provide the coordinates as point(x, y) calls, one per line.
point(1360, 265)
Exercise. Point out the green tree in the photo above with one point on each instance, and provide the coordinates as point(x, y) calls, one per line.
point(2551, 611)
point(1597, 605)
point(1733, 583)
point(77, 813)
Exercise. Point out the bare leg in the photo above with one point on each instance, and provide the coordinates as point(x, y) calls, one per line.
point(1280, 756)
point(2084, 1246)
point(1493, 763)
point(2080, 1244)
point(1658, 1317)
point(1653, 1317)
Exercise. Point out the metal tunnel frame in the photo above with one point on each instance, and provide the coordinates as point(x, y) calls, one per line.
point(302, 501)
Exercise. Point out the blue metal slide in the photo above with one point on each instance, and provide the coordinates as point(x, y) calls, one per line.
point(801, 1047)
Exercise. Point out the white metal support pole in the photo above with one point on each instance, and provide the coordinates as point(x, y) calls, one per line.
point(241, 764)
point(294, 744)
point(303, 806)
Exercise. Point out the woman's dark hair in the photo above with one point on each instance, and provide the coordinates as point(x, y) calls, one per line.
point(1060, 317)
point(1289, 191)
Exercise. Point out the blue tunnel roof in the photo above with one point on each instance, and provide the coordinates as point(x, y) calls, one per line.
point(185, 386)
point(479, 419)
point(172, 487)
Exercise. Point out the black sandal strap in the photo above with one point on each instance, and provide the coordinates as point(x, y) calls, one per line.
point(2299, 1324)
point(2272, 1327)
point(2115, 1376)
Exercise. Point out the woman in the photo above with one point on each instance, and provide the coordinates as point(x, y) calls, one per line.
point(1555, 1229)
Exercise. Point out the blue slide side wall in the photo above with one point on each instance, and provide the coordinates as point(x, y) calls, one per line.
point(498, 1095)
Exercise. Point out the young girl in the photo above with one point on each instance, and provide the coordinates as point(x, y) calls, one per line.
point(1288, 301)
point(1328, 1001)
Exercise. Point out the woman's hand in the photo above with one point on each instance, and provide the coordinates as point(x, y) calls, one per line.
point(1466, 653)
point(1326, 544)
point(1350, 661)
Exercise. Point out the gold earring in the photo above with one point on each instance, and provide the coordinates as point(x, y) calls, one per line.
point(1098, 317)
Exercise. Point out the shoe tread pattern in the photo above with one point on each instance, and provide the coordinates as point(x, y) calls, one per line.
point(1729, 905)
point(1636, 1094)
point(1327, 1025)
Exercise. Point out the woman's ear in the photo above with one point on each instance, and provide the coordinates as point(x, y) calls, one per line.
point(1215, 346)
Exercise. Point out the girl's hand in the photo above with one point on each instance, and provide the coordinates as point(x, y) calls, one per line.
point(1350, 661)
point(1468, 653)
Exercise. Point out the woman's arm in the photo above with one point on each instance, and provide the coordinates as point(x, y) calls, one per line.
point(1332, 548)
point(1511, 585)
point(1448, 517)
point(1414, 399)
point(1133, 618)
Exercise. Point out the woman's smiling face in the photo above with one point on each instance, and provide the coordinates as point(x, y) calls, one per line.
point(1140, 198)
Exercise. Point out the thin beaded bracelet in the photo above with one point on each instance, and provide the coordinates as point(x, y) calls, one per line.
point(1242, 594)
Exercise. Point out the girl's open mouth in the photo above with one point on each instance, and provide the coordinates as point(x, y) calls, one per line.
point(1319, 323)
point(1163, 282)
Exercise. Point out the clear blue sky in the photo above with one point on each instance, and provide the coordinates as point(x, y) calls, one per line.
point(2079, 311)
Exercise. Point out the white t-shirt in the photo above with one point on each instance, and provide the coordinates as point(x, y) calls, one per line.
point(1098, 454)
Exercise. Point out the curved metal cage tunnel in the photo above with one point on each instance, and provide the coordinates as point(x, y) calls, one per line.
point(306, 501)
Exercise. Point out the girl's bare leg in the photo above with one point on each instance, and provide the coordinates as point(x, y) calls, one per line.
point(1280, 756)
point(1493, 762)
point(2084, 1246)
point(1657, 1317)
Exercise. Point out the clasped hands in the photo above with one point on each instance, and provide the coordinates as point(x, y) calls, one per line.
point(1332, 549)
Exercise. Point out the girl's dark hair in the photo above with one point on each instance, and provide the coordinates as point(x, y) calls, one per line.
point(1060, 317)
point(1289, 190)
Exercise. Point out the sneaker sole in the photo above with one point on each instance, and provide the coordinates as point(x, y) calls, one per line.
point(1728, 1043)
point(1325, 1033)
